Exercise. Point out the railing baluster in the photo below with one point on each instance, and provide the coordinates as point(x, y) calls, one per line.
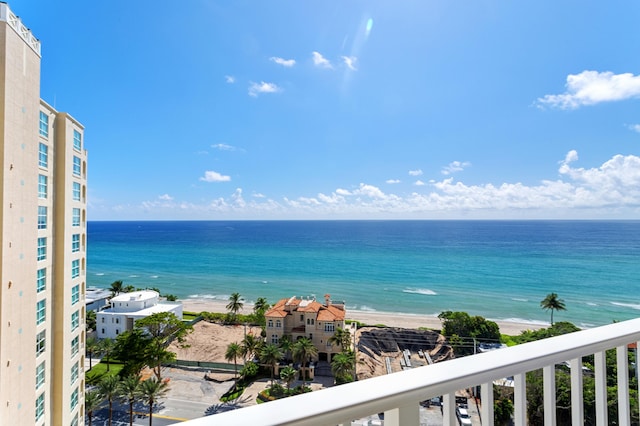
point(403, 416)
point(600, 361)
point(520, 399)
point(486, 411)
point(549, 388)
point(622, 358)
point(449, 409)
point(577, 392)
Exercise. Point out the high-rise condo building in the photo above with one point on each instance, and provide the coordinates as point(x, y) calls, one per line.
point(43, 187)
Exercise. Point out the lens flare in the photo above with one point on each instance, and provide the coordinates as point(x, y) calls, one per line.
point(369, 26)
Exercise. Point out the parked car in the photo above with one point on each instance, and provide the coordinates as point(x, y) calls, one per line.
point(463, 416)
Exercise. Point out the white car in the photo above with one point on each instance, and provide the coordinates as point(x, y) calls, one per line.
point(463, 417)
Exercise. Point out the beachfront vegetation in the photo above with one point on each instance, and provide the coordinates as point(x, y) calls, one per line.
point(271, 354)
point(302, 350)
point(235, 305)
point(464, 332)
point(552, 303)
point(234, 350)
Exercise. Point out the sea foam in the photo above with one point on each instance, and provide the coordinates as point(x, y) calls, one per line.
point(423, 291)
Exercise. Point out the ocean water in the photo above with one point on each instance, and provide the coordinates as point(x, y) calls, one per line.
point(498, 269)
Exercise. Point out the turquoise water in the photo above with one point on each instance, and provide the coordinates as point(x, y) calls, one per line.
point(498, 269)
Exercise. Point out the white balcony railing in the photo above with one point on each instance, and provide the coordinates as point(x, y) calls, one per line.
point(398, 394)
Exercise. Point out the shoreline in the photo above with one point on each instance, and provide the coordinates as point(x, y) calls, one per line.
point(389, 319)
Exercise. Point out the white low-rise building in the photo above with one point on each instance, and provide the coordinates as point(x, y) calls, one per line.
point(126, 308)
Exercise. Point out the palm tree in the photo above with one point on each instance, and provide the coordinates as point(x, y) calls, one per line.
point(342, 366)
point(129, 390)
point(286, 345)
point(116, 288)
point(271, 354)
point(234, 305)
point(92, 401)
point(342, 338)
point(304, 349)
point(288, 374)
point(92, 346)
point(107, 346)
point(234, 351)
point(261, 305)
point(108, 388)
point(552, 303)
point(250, 346)
point(151, 390)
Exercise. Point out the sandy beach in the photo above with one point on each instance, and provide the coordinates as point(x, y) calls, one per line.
point(369, 318)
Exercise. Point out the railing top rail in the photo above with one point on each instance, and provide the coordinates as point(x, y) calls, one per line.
point(359, 399)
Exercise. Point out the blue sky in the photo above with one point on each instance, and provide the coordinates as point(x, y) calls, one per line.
point(349, 109)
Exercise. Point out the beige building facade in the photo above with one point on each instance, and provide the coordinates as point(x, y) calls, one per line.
point(43, 186)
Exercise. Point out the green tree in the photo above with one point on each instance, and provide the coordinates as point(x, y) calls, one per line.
point(235, 305)
point(116, 288)
point(552, 303)
point(90, 320)
point(250, 346)
point(261, 306)
point(234, 350)
point(128, 289)
point(342, 338)
point(92, 347)
point(132, 348)
point(106, 347)
point(129, 391)
point(163, 328)
point(463, 331)
point(286, 345)
point(342, 366)
point(288, 375)
point(271, 354)
point(152, 390)
point(303, 350)
point(108, 388)
point(92, 401)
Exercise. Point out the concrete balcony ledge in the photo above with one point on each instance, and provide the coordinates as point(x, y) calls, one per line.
point(399, 394)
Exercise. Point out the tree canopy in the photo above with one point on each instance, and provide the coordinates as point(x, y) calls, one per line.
point(463, 330)
point(552, 303)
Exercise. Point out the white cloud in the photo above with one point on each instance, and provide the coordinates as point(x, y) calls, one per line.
point(224, 147)
point(320, 61)
point(258, 195)
point(610, 190)
point(419, 183)
point(211, 176)
point(257, 88)
point(392, 181)
point(593, 87)
point(288, 63)
point(350, 62)
point(635, 127)
point(455, 166)
point(415, 172)
point(229, 79)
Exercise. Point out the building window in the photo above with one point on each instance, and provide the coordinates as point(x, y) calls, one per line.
point(77, 166)
point(75, 346)
point(74, 372)
point(102, 331)
point(274, 339)
point(44, 124)
point(40, 375)
point(41, 342)
point(41, 311)
point(75, 243)
point(75, 294)
point(42, 248)
point(103, 320)
point(75, 268)
point(76, 191)
point(117, 331)
point(40, 407)
point(75, 320)
point(43, 155)
point(42, 217)
point(329, 326)
point(74, 422)
point(42, 186)
point(270, 324)
point(74, 399)
point(278, 324)
point(41, 283)
point(75, 220)
point(77, 140)
point(301, 318)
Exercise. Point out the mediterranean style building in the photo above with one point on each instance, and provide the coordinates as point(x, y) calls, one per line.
point(308, 318)
point(43, 186)
point(126, 308)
